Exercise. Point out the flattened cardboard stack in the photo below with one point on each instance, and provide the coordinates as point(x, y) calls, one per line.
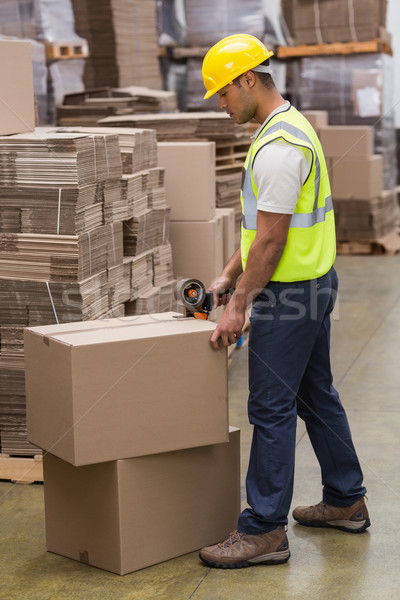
point(13, 438)
point(122, 42)
point(138, 147)
point(363, 210)
point(88, 107)
point(181, 125)
point(325, 21)
point(54, 247)
point(168, 461)
point(63, 202)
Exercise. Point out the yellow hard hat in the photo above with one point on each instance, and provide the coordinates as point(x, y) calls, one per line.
point(229, 58)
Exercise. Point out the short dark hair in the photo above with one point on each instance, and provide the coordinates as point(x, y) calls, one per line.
point(265, 78)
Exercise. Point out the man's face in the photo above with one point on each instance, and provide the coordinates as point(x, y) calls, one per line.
point(237, 102)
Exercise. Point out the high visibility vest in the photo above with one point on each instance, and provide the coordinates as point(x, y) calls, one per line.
point(310, 248)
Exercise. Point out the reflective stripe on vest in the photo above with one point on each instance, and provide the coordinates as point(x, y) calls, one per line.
point(301, 219)
point(249, 217)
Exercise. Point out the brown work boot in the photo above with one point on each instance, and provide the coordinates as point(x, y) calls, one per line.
point(353, 519)
point(244, 550)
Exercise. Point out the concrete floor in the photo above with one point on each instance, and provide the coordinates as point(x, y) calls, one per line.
point(325, 564)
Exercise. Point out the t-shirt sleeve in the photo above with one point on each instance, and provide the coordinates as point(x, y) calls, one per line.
point(279, 170)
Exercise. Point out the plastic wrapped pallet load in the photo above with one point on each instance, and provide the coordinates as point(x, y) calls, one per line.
point(354, 89)
point(210, 20)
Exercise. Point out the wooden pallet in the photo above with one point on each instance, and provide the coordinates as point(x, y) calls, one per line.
point(230, 155)
point(374, 46)
point(21, 469)
point(388, 244)
point(65, 51)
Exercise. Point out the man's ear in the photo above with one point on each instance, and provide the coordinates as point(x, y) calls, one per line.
point(250, 78)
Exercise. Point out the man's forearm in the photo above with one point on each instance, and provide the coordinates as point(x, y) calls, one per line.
point(261, 265)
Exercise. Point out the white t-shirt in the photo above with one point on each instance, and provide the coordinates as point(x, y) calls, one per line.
point(279, 170)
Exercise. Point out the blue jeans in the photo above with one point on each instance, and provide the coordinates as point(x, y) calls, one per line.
point(290, 375)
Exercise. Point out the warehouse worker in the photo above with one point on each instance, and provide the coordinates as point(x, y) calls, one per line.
point(286, 257)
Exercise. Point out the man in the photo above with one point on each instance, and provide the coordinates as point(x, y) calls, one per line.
point(286, 262)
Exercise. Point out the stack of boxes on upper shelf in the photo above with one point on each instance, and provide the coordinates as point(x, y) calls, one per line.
point(354, 88)
point(140, 463)
point(84, 230)
point(329, 21)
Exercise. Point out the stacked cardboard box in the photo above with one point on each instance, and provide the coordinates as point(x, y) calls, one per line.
point(17, 110)
point(367, 220)
point(363, 210)
point(122, 42)
point(325, 21)
point(200, 235)
point(170, 462)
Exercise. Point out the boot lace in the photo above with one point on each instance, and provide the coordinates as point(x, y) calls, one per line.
point(234, 537)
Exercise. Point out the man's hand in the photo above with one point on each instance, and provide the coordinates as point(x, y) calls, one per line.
point(219, 286)
point(230, 326)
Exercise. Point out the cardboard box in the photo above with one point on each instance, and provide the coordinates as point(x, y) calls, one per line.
point(189, 179)
point(197, 249)
point(367, 92)
point(366, 219)
point(17, 105)
point(228, 226)
point(317, 118)
point(129, 514)
point(351, 141)
point(103, 390)
point(357, 178)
